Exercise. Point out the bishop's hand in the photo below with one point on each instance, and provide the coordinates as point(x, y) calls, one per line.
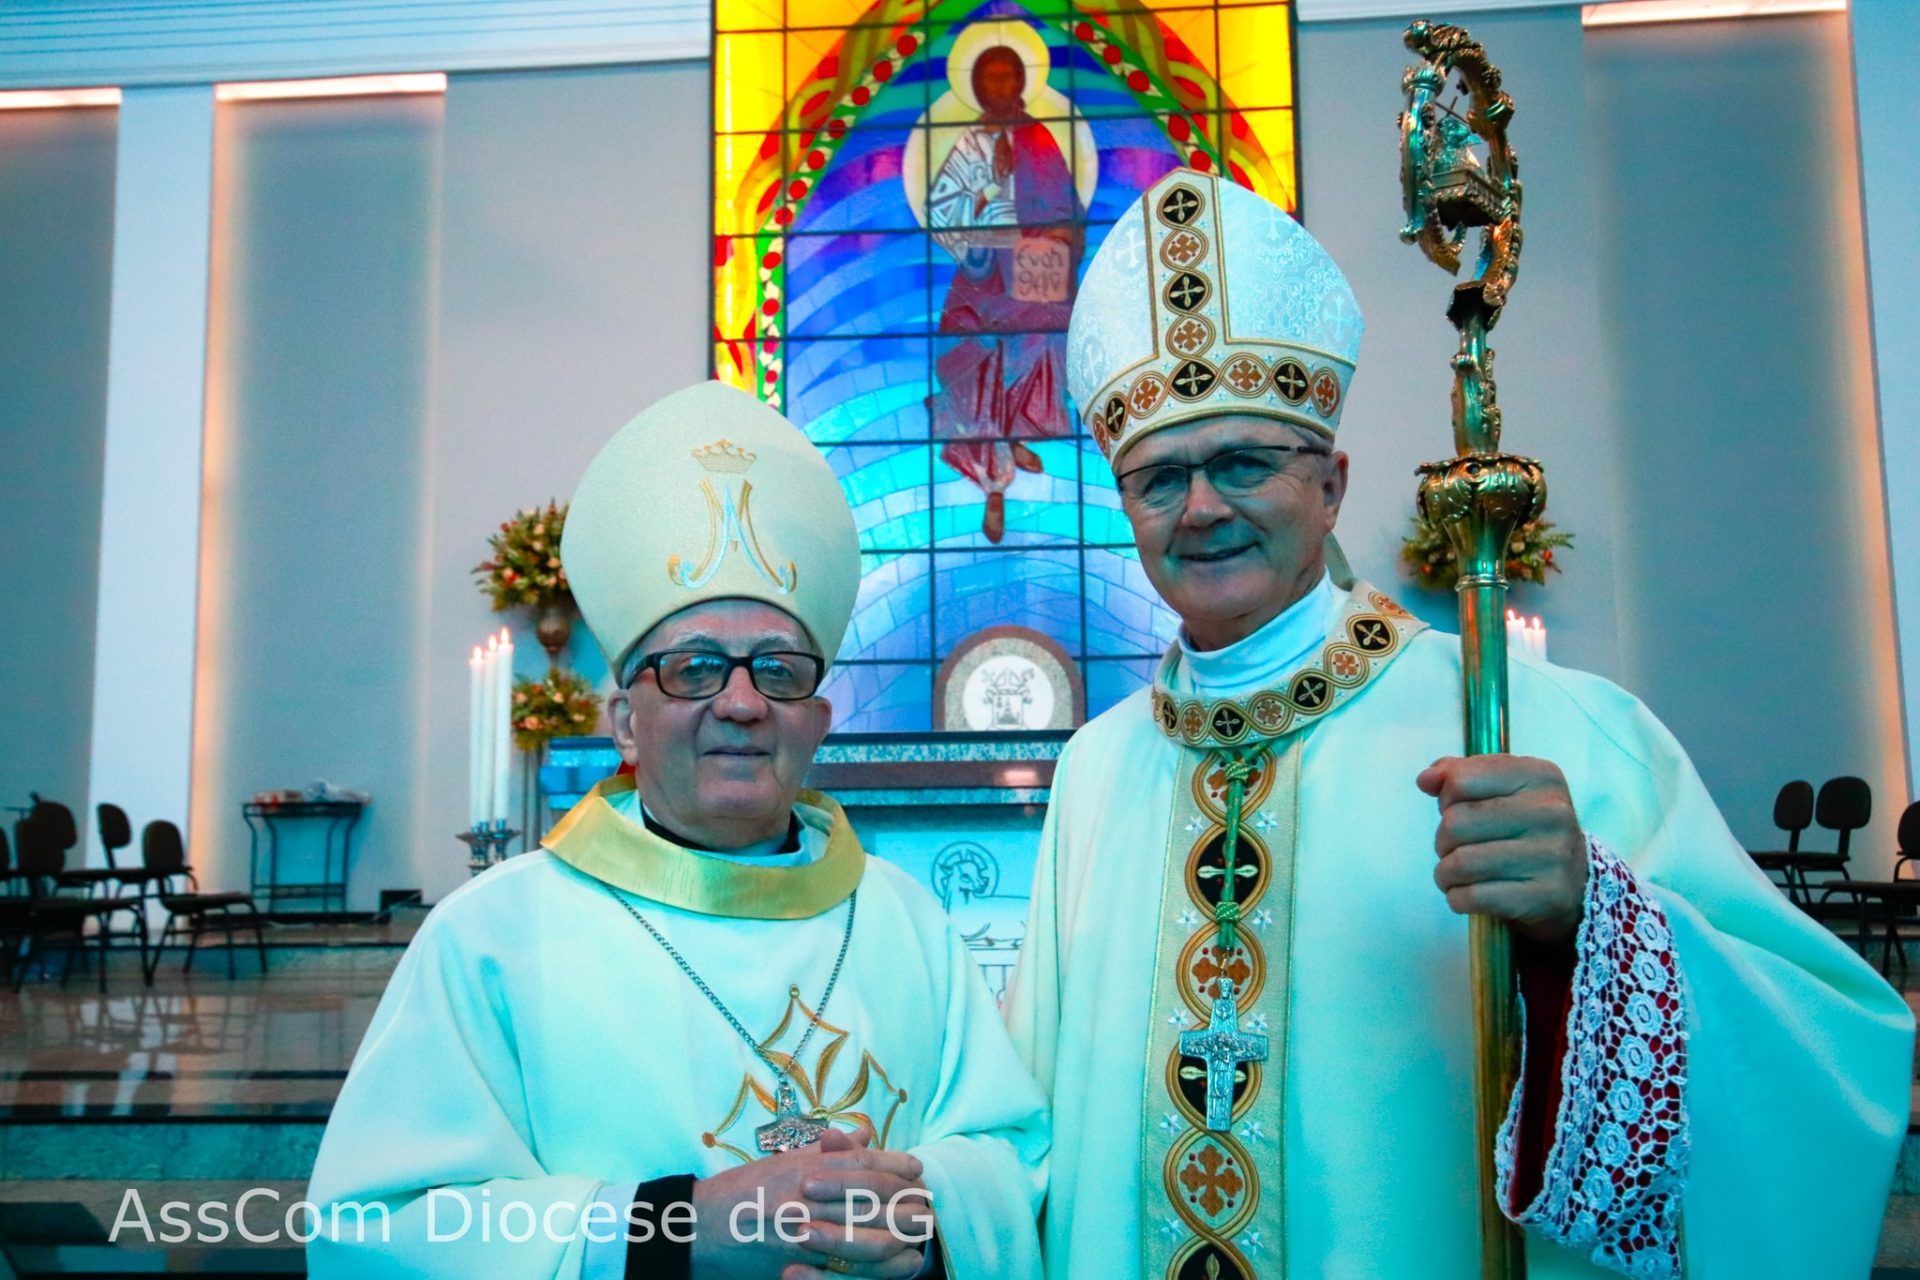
point(1510, 844)
point(814, 1238)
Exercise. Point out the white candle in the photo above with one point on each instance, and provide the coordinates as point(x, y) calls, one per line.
point(490, 727)
point(476, 737)
point(503, 724)
point(1516, 634)
point(1540, 639)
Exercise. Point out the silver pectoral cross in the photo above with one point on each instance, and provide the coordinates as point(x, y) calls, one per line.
point(1223, 1047)
point(789, 1130)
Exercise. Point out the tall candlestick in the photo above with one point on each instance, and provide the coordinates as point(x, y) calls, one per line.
point(503, 725)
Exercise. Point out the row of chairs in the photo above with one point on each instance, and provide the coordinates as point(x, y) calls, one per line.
point(59, 903)
point(1821, 883)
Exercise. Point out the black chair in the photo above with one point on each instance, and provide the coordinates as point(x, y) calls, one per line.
point(59, 824)
point(116, 832)
point(1793, 814)
point(42, 858)
point(165, 857)
point(1897, 898)
point(1845, 805)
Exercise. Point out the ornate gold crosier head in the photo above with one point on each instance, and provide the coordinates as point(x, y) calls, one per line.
point(1458, 172)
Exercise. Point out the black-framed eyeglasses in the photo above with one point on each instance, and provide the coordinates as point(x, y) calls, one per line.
point(701, 673)
point(1235, 473)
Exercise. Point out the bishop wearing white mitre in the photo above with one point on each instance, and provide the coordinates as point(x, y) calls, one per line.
point(1245, 980)
point(674, 1039)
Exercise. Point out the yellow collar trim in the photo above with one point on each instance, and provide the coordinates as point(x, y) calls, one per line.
point(1370, 631)
point(593, 839)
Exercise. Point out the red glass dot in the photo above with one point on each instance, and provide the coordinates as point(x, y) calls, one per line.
point(1137, 81)
point(771, 306)
point(773, 375)
point(782, 217)
point(770, 346)
point(816, 159)
point(1178, 129)
point(883, 71)
point(905, 45)
point(1112, 55)
point(860, 96)
point(1238, 123)
point(771, 260)
point(836, 128)
point(1200, 160)
point(770, 147)
point(796, 189)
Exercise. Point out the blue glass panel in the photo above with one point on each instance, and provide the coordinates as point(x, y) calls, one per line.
point(860, 189)
point(860, 389)
point(893, 616)
point(1041, 508)
point(978, 589)
point(1134, 154)
point(1110, 680)
point(887, 698)
point(888, 487)
point(1124, 615)
point(856, 284)
point(1104, 521)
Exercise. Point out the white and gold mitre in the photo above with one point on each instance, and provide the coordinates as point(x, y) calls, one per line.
point(1207, 299)
point(709, 495)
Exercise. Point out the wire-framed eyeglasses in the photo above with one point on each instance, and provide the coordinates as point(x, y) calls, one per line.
point(1235, 473)
point(701, 673)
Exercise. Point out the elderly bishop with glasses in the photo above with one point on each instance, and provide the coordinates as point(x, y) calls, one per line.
point(699, 1033)
point(1245, 979)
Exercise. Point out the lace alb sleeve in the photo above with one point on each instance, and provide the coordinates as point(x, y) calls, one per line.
point(1612, 1179)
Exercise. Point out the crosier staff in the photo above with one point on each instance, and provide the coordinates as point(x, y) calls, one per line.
point(1478, 498)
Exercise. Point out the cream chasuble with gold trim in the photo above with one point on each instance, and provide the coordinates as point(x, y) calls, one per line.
point(536, 1045)
point(1724, 1054)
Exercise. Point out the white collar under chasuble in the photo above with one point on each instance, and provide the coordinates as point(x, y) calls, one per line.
point(595, 839)
point(1214, 1188)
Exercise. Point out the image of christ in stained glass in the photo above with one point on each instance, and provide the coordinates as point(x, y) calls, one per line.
point(999, 170)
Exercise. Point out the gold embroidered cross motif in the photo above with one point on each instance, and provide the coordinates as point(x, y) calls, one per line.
point(729, 523)
point(868, 1095)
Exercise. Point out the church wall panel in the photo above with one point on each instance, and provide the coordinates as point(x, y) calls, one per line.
point(316, 434)
point(56, 252)
point(573, 290)
point(1755, 592)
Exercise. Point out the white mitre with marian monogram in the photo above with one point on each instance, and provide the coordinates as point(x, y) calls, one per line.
point(1207, 299)
point(709, 495)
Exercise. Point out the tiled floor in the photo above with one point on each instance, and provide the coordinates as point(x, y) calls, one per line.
point(182, 1089)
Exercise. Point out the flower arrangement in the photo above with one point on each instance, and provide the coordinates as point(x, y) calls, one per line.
point(525, 571)
point(1429, 559)
point(563, 705)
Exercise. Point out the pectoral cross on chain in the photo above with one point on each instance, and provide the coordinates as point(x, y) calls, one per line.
point(789, 1130)
point(1223, 1046)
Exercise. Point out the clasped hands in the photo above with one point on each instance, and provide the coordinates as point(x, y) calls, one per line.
point(826, 1178)
point(1510, 844)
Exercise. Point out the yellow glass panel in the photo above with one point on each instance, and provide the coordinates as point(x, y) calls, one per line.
point(1262, 144)
point(740, 178)
point(829, 13)
point(1194, 29)
point(746, 15)
point(736, 289)
point(805, 52)
point(1256, 56)
point(747, 91)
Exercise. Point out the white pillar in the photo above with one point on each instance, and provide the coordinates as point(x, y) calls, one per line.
point(150, 510)
point(1884, 36)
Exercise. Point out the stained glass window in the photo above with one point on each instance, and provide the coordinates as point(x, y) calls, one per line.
point(905, 195)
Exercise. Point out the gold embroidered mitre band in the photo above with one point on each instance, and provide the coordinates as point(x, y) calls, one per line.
point(1207, 299)
point(709, 495)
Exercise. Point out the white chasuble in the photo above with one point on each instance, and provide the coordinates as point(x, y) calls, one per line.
point(537, 1047)
point(1727, 1086)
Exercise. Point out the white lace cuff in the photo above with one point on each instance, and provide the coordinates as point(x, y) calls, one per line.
point(1613, 1177)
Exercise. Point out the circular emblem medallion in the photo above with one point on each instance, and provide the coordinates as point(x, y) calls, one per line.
point(1182, 249)
point(1187, 291)
point(1148, 390)
point(1290, 380)
point(1326, 392)
point(1180, 206)
point(1245, 375)
point(1189, 336)
point(1371, 635)
point(1194, 379)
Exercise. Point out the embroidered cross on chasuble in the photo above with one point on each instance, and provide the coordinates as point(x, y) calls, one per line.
point(1212, 1149)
